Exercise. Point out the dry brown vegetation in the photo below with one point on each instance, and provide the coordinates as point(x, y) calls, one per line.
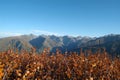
point(68, 66)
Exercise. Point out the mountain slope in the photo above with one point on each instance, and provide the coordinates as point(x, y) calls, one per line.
point(19, 42)
point(110, 42)
point(63, 43)
point(54, 42)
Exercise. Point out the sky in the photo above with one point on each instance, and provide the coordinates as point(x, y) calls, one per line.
point(59, 17)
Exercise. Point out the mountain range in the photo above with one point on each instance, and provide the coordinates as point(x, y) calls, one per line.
point(64, 43)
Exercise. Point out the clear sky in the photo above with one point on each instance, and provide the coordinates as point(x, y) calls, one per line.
point(60, 17)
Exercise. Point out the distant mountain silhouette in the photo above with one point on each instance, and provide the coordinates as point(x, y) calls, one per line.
point(63, 43)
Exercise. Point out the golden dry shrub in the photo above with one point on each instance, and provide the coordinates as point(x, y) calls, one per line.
point(1, 70)
point(58, 66)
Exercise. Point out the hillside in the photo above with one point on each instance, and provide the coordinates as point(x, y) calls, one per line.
point(43, 41)
point(19, 42)
point(64, 43)
point(110, 42)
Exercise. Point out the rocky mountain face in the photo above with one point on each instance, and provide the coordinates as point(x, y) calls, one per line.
point(19, 42)
point(110, 42)
point(63, 43)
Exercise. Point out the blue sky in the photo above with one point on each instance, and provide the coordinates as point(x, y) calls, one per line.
point(60, 17)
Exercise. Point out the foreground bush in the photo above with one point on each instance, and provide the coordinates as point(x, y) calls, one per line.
point(68, 66)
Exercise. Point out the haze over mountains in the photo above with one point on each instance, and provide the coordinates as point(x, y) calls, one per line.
point(63, 43)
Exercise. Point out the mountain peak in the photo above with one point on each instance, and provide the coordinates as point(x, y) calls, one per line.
point(111, 42)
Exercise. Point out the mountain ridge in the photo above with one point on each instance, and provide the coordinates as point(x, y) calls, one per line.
point(69, 43)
